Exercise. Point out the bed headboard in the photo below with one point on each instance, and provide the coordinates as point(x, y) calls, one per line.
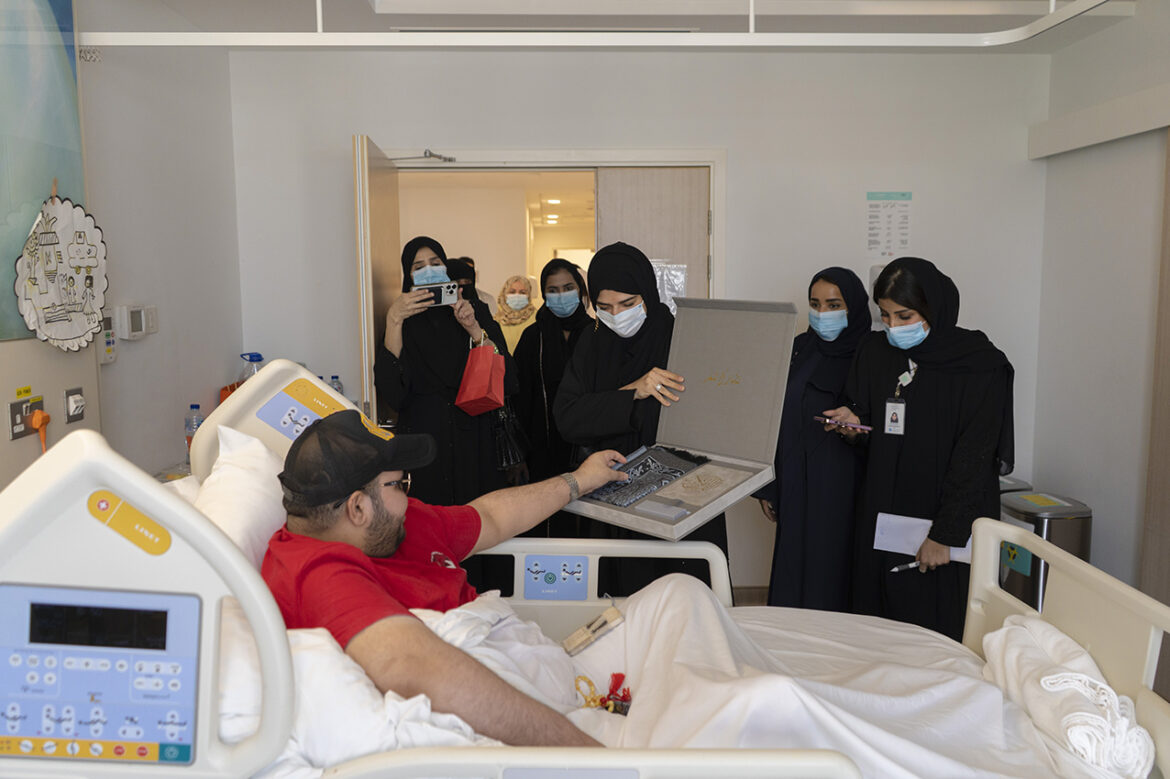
point(1119, 626)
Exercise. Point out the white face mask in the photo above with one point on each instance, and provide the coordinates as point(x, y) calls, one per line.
point(516, 301)
point(625, 324)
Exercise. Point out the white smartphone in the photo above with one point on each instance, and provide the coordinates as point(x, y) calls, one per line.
point(445, 293)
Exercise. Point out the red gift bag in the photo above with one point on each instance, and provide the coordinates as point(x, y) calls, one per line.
point(482, 388)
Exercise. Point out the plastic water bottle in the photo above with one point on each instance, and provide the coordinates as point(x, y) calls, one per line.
point(253, 362)
point(192, 422)
point(335, 383)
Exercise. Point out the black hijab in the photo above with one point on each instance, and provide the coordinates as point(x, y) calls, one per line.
point(461, 271)
point(436, 342)
point(951, 348)
point(859, 321)
point(574, 321)
point(623, 268)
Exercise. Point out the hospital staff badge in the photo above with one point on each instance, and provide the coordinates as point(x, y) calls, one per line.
point(61, 275)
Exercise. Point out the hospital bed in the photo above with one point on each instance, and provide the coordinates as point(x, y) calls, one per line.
point(115, 591)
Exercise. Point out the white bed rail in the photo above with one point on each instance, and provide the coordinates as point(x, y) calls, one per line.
point(559, 618)
point(1119, 626)
point(566, 763)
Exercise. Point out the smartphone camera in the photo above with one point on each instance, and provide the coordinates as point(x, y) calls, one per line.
point(445, 293)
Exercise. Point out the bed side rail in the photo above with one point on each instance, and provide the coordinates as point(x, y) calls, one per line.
point(569, 600)
point(564, 763)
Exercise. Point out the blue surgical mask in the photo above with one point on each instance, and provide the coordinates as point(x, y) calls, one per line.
point(517, 301)
point(906, 336)
point(430, 274)
point(625, 324)
point(563, 304)
point(828, 324)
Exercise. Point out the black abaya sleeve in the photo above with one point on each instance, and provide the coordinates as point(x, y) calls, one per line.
point(527, 360)
point(391, 378)
point(971, 470)
point(585, 417)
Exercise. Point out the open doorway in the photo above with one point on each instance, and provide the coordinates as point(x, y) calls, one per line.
point(511, 222)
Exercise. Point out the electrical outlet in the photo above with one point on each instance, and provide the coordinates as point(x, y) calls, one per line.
point(74, 405)
point(19, 412)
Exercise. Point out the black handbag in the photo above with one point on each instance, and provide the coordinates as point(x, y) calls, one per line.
point(511, 442)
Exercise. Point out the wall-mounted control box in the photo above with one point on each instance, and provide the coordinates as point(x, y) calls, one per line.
point(130, 322)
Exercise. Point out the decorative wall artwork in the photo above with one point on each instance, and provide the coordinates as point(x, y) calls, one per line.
point(61, 275)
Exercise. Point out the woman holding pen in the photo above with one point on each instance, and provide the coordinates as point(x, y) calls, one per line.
point(939, 400)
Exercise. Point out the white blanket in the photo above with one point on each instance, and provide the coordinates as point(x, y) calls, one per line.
point(1060, 686)
point(899, 701)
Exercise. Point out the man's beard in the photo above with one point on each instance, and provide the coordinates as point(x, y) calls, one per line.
point(385, 532)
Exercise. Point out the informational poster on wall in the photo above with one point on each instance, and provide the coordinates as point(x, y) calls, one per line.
point(38, 143)
point(887, 232)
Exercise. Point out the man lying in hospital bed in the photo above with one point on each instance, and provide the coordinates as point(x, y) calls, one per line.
point(898, 700)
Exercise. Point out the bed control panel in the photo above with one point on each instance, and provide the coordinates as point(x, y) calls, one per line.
point(98, 674)
point(295, 407)
point(556, 577)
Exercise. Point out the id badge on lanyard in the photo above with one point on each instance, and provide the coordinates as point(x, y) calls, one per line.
point(895, 418)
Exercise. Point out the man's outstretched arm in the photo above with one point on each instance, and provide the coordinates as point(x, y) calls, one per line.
point(400, 653)
point(504, 513)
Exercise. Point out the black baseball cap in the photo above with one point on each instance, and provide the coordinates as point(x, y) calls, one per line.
point(339, 454)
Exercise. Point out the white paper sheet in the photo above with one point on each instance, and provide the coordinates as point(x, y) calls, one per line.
point(897, 533)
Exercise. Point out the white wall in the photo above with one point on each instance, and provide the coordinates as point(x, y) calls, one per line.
point(569, 236)
point(806, 136)
point(488, 225)
point(1103, 222)
point(158, 138)
point(1097, 313)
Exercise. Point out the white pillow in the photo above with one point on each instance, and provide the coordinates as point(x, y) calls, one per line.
point(242, 495)
point(186, 488)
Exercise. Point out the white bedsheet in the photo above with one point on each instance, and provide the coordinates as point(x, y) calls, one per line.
point(899, 701)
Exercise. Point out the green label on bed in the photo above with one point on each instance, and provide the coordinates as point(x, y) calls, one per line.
point(1016, 558)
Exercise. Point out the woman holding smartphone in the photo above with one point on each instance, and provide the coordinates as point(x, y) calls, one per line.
point(812, 499)
point(417, 372)
point(939, 399)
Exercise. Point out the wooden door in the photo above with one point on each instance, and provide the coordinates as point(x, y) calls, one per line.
point(375, 180)
point(664, 211)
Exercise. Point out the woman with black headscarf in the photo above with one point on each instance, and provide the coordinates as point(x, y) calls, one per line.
point(812, 498)
point(939, 399)
point(541, 356)
point(417, 372)
point(616, 382)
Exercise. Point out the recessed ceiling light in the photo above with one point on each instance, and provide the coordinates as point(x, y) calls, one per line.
point(553, 202)
point(550, 221)
point(552, 216)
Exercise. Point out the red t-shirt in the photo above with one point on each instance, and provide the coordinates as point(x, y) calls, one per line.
point(338, 587)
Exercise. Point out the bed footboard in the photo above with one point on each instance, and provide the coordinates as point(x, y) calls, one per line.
point(1120, 627)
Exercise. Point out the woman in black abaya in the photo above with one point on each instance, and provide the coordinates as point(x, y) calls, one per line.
point(616, 384)
point(940, 459)
point(541, 356)
point(812, 499)
point(418, 369)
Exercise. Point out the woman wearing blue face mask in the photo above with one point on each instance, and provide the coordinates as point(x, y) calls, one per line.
point(516, 309)
point(939, 399)
point(616, 384)
point(541, 356)
point(418, 369)
point(812, 499)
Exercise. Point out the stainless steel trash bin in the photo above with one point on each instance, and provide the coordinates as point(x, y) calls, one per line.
point(1012, 484)
point(1066, 522)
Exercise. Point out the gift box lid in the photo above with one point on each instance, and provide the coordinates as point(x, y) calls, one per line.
point(733, 355)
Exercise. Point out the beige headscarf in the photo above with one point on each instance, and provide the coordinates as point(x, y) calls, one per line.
point(508, 315)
